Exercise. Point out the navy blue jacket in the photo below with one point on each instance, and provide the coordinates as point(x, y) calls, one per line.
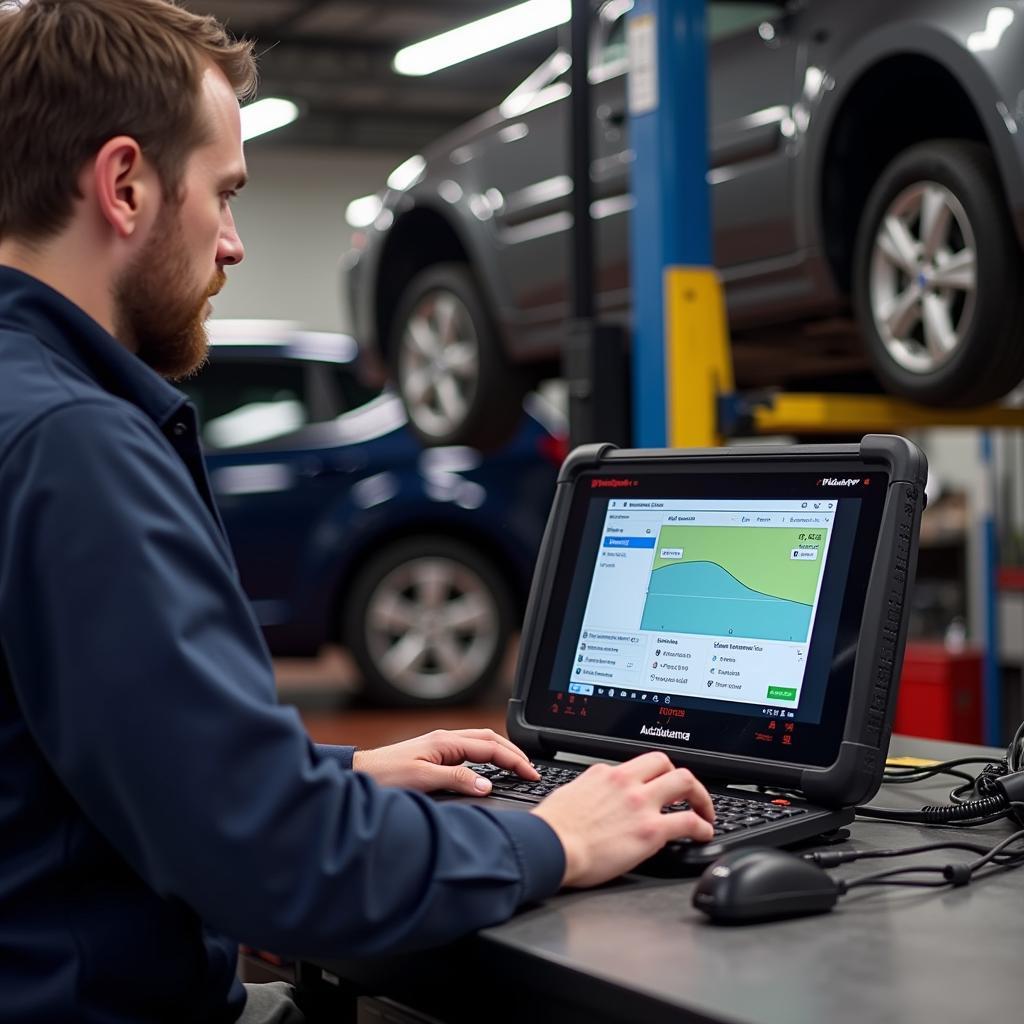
point(154, 797)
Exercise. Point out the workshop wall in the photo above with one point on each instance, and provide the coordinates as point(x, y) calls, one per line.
point(291, 217)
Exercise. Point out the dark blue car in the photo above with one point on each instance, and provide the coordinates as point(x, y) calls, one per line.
point(346, 530)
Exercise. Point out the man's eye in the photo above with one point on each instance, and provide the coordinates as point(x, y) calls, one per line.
point(227, 197)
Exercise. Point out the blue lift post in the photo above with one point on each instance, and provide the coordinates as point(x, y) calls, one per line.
point(675, 290)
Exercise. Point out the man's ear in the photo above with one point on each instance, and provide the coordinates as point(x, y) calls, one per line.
point(123, 184)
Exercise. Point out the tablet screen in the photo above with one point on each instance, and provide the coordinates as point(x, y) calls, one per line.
point(713, 611)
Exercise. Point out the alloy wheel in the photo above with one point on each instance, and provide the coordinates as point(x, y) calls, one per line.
point(439, 363)
point(923, 277)
point(432, 627)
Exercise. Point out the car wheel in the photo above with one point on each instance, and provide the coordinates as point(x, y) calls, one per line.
point(428, 623)
point(937, 277)
point(453, 377)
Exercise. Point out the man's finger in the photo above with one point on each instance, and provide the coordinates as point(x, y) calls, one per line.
point(687, 825)
point(646, 766)
point(489, 752)
point(458, 778)
point(680, 784)
point(490, 734)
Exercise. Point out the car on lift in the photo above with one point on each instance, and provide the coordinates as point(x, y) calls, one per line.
point(863, 157)
point(346, 530)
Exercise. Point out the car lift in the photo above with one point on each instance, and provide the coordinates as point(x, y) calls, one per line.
point(680, 337)
point(705, 408)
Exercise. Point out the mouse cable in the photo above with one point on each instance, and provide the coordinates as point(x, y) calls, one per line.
point(833, 858)
point(996, 858)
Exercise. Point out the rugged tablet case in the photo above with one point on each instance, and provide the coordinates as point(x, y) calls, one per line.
point(856, 773)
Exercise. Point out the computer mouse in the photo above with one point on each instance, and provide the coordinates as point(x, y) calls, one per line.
point(758, 883)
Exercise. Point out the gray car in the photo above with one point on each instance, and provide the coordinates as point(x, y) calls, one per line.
point(864, 156)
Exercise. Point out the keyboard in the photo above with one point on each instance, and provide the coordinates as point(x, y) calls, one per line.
point(735, 812)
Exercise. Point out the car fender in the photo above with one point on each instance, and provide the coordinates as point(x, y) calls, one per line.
point(349, 532)
point(925, 40)
point(466, 227)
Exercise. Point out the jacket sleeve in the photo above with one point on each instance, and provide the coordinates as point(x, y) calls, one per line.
point(343, 755)
point(144, 679)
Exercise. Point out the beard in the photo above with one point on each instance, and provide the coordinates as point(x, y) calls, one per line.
point(158, 310)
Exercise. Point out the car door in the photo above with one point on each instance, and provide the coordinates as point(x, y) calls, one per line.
point(527, 161)
point(752, 70)
point(753, 77)
point(524, 165)
point(272, 477)
point(752, 81)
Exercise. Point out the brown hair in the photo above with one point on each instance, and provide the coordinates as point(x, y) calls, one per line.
point(76, 73)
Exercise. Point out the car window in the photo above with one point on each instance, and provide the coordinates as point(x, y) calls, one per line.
point(353, 391)
point(334, 390)
point(242, 403)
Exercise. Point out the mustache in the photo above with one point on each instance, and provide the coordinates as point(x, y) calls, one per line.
point(217, 282)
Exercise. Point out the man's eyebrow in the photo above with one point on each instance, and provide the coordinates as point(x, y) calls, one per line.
point(236, 183)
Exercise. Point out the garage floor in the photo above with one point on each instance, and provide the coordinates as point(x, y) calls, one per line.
point(326, 692)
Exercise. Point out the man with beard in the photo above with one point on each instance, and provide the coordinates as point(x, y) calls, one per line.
point(155, 799)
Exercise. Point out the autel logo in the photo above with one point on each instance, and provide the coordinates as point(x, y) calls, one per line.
point(613, 483)
point(664, 734)
point(838, 481)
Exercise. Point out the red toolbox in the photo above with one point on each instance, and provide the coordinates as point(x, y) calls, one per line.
point(940, 693)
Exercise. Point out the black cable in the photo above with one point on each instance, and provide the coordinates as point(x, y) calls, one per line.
point(926, 771)
point(903, 780)
point(998, 857)
point(952, 874)
point(899, 815)
point(900, 775)
point(989, 808)
point(833, 858)
point(883, 877)
point(1015, 751)
point(993, 793)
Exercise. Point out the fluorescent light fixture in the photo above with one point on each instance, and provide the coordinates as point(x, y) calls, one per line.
point(406, 175)
point(361, 213)
point(266, 116)
point(483, 36)
point(998, 21)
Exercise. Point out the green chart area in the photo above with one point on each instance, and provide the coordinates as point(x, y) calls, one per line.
point(756, 582)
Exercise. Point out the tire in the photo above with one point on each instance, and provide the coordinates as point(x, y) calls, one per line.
point(941, 311)
point(457, 386)
point(450, 609)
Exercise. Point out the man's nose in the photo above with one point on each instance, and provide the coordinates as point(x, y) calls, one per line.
point(229, 248)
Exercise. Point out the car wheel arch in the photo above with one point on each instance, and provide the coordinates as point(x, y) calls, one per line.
point(966, 110)
point(422, 237)
point(372, 544)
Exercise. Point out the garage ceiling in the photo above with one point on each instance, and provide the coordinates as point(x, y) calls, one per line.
point(333, 58)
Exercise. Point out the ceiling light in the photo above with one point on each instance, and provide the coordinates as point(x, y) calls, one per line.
point(998, 21)
point(407, 174)
point(266, 116)
point(361, 213)
point(490, 33)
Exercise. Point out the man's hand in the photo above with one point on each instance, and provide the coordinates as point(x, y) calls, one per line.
point(435, 761)
point(609, 819)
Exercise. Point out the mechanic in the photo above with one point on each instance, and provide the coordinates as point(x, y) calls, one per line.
point(156, 803)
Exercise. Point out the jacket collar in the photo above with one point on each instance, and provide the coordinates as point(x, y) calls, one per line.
point(28, 305)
